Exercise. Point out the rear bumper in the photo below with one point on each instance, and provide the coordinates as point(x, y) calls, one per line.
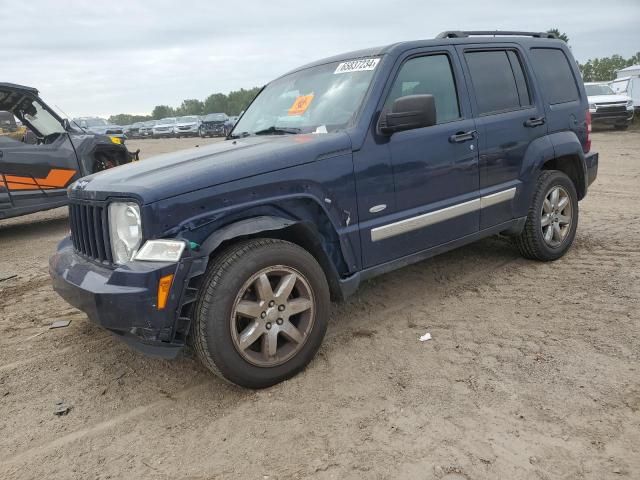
point(591, 161)
point(123, 299)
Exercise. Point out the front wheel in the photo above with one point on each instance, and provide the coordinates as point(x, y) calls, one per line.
point(262, 312)
point(552, 221)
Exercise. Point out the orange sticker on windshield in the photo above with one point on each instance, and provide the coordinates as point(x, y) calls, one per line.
point(301, 104)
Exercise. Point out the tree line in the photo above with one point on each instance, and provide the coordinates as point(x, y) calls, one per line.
point(594, 70)
point(232, 104)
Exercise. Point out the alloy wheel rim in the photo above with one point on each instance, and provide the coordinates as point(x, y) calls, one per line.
point(272, 316)
point(557, 216)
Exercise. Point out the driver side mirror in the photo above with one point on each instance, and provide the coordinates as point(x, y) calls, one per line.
point(408, 113)
point(65, 124)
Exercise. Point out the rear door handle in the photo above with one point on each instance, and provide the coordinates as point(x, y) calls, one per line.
point(460, 137)
point(534, 122)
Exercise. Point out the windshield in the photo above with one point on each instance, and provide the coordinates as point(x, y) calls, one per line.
point(40, 119)
point(188, 119)
point(164, 121)
point(598, 90)
point(215, 117)
point(91, 122)
point(320, 99)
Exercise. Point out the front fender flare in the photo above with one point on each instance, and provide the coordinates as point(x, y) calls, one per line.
point(243, 228)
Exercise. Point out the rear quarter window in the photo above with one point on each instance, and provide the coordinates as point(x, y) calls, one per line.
point(553, 70)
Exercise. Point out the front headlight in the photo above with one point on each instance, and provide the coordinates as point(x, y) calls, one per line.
point(125, 230)
point(592, 107)
point(630, 104)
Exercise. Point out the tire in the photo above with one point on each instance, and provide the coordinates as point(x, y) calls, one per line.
point(218, 330)
point(532, 242)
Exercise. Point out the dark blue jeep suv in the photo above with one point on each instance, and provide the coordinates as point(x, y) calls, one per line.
point(338, 171)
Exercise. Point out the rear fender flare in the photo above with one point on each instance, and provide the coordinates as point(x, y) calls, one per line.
point(540, 151)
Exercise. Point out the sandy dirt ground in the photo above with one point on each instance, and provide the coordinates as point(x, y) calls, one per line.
point(533, 371)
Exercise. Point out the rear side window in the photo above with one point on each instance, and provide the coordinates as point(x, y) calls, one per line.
point(498, 81)
point(556, 77)
point(428, 75)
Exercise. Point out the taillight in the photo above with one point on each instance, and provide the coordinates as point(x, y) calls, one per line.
point(587, 145)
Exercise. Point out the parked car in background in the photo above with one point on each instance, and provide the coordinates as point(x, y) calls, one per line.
point(100, 126)
point(341, 170)
point(133, 130)
point(608, 107)
point(627, 83)
point(164, 128)
point(187, 126)
point(215, 125)
point(35, 176)
point(9, 127)
point(146, 129)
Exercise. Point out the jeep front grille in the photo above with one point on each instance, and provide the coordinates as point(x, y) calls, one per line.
point(90, 231)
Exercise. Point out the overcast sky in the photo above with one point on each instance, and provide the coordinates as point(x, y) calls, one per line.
point(101, 58)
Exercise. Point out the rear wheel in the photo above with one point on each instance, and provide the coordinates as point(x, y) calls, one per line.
point(552, 221)
point(262, 312)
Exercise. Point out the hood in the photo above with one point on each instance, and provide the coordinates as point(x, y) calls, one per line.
point(608, 98)
point(185, 171)
point(186, 124)
point(164, 125)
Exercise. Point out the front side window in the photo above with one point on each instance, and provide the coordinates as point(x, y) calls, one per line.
point(321, 99)
point(428, 75)
point(556, 77)
point(498, 81)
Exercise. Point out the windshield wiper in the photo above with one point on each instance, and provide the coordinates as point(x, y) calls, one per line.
point(277, 130)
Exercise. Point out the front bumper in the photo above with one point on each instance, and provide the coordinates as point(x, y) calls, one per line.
point(188, 131)
point(214, 130)
point(162, 133)
point(123, 299)
point(612, 118)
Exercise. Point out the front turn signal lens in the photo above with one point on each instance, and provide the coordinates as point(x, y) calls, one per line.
point(164, 288)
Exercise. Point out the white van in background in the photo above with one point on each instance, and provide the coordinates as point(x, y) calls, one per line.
point(627, 83)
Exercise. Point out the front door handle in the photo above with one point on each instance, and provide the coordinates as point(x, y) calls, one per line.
point(534, 122)
point(460, 137)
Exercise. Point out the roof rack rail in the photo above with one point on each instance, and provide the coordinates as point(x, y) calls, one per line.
point(465, 34)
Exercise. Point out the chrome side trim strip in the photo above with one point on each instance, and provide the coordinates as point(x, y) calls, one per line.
point(414, 223)
point(499, 197)
point(424, 220)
